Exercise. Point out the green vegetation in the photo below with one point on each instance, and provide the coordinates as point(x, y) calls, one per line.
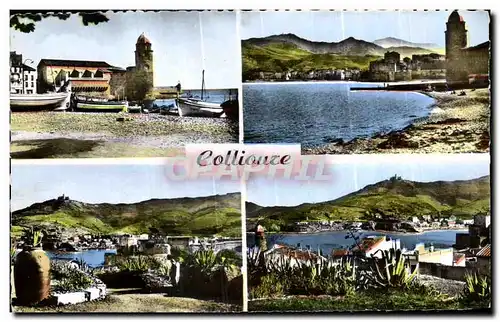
point(390, 198)
point(281, 57)
point(393, 300)
point(392, 271)
point(280, 283)
point(68, 279)
point(477, 290)
point(141, 263)
point(207, 262)
point(32, 237)
point(204, 216)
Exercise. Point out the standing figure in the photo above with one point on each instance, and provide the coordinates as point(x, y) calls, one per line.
point(178, 88)
point(260, 238)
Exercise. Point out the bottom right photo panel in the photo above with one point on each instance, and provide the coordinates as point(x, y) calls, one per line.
point(391, 234)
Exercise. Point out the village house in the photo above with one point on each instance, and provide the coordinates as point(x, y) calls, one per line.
point(23, 78)
point(296, 256)
point(373, 245)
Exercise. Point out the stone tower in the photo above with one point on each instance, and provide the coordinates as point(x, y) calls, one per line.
point(144, 57)
point(456, 39)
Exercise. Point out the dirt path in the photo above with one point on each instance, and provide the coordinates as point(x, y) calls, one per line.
point(138, 303)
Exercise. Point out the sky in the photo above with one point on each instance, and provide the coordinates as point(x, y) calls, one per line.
point(183, 43)
point(334, 26)
point(111, 183)
point(348, 178)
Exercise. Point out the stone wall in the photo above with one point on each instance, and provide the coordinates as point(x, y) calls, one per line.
point(451, 272)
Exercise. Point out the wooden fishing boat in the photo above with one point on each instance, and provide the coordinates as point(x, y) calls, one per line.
point(194, 107)
point(231, 109)
point(199, 107)
point(101, 106)
point(47, 101)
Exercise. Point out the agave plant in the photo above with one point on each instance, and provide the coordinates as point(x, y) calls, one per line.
point(205, 260)
point(392, 270)
point(477, 289)
point(32, 236)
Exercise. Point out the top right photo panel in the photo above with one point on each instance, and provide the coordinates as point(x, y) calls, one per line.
point(356, 82)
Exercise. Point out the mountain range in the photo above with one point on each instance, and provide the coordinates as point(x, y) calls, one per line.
point(391, 198)
point(202, 216)
point(396, 42)
point(278, 53)
point(348, 47)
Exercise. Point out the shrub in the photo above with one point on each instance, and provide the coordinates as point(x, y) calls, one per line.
point(142, 263)
point(330, 278)
point(271, 285)
point(204, 260)
point(477, 289)
point(229, 257)
point(68, 278)
point(391, 271)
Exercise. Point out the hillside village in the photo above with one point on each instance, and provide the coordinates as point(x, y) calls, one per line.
point(287, 57)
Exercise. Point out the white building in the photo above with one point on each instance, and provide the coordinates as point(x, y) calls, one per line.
point(23, 78)
point(373, 245)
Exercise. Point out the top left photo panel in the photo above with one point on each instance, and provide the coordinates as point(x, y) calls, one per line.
point(122, 84)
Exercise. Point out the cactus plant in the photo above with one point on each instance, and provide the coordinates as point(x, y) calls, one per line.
point(391, 270)
point(477, 289)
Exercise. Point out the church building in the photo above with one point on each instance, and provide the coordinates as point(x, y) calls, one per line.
point(464, 64)
point(100, 79)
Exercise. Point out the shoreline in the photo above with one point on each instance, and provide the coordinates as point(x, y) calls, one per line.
point(455, 124)
point(365, 231)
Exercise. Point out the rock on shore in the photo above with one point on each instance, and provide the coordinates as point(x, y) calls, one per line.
point(458, 124)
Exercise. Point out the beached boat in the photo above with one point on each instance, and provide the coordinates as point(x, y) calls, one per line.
point(199, 107)
point(231, 109)
point(91, 99)
point(109, 106)
point(134, 108)
point(47, 101)
point(194, 107)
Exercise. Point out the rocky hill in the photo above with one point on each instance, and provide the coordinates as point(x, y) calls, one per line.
point(278, 53)
point(392, 198)
point(219, 214)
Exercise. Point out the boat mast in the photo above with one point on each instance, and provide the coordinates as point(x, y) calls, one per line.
point(202, 83)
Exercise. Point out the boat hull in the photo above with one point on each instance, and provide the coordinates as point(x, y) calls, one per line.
point(231, 109)
point(189, 107)
point(37, 101)
point(101, 107)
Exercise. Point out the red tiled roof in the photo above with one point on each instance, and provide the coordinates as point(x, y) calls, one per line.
point(296, 253)
point(142, 38)
point(458, 258)
point(369, 243)
point(485, 251)
point(340, 252)
point(73, 63)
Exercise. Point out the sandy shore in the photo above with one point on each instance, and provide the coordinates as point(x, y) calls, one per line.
point(58, 135)
point(456, 124)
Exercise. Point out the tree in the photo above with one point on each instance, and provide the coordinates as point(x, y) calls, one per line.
point(24, 21)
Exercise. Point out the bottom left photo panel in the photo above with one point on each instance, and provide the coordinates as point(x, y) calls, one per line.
point(123, 237)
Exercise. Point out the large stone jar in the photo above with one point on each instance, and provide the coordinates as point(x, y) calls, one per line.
point(32, 276)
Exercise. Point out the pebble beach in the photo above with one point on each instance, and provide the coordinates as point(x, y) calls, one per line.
point(456, 124)
point(74, 134)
